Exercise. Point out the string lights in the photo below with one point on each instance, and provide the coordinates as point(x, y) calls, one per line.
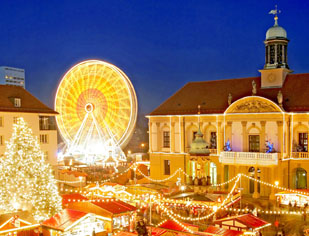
point(26, 179)
point(215, 209)
point(275, 186)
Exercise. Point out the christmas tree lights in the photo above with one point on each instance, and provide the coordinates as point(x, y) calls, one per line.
point(27, 181)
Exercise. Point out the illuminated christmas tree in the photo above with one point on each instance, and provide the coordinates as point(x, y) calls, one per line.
point(26, 179)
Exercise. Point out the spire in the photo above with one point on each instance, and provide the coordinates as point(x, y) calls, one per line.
point(275, 12)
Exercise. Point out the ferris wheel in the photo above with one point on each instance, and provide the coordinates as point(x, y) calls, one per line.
point(97, 108)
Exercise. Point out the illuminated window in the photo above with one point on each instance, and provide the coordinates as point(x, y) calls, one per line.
point(213, 140)
point(15, 119)
point(43, 138)
point(254, 143)
point(46, 156)
point(167, 167)
point(166, 139)
point(303, 141)
point(17, 102)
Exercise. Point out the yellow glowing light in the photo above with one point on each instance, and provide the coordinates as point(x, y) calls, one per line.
point(102, 89)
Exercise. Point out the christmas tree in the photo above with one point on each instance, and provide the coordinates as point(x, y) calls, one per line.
point(26, 179)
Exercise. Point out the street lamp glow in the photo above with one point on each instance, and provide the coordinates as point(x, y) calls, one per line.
point(277, 183)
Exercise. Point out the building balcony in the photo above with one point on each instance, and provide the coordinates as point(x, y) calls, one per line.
point(249, 158)
point(300, 155)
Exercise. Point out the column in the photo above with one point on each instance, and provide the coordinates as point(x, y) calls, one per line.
point(219, 138)
point(244, 136)
point(283, 53)
point(262, 137)
point(268, 59)
point(272, 181)
point(280, 136)
point(182, 134)
point(172, 130)
point(276, 53)
point(150, 136)
point(229, 132)
point(256, 194)
point(158, 136)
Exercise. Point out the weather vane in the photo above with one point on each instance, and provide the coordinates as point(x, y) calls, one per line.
point(275, 12)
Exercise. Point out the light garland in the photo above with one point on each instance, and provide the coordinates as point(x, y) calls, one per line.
point(275, 186)
point(69, 182)
point(266, 212)
point(174, 219)
point(170, 212)
point(159, 180)
point(26, 179)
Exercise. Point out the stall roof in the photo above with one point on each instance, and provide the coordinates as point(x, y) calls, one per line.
point(249, 220)
point(224, 232)
point(63, 219)
point(115, 207)
point(24, 215)
point(304, 192)
point(172, 225)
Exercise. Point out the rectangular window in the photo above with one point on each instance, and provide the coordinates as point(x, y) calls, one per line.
point(15, 120)
point(167, 167)
point(43, 138)
point(17, 102)
point(1, 121)
point(47, 123)
point(1, 140)
point(303, 141)
point(254, 143)
point(46, 156)
point(213, 140)
point(166, 139)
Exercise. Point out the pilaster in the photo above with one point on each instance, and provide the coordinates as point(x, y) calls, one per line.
point(244, 136)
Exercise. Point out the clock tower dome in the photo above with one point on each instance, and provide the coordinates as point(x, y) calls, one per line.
point(276, 60)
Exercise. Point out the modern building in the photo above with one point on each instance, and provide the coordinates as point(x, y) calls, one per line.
point(16, 102)
point(257, 126)
point(12, 76)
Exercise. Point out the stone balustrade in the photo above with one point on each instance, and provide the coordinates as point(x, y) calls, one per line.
point(302, 155)
point(249, 158)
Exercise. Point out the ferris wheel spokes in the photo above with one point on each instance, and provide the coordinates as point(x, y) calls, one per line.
point(97, 146)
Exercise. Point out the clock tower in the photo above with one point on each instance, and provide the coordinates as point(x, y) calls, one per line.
point(276, 57)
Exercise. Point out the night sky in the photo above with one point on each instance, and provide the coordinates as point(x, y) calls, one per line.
point(161, 45)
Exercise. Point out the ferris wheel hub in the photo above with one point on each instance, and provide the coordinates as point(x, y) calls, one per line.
point(89, 107)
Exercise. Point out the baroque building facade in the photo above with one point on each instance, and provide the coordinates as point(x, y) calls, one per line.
point(257, 126)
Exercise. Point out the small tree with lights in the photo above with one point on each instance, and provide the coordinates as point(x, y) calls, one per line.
point(26, 179)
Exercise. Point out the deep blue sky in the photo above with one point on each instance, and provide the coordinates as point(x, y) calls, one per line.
point(159, 44)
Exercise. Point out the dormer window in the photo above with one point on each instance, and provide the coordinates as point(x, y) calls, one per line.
point(17, 102)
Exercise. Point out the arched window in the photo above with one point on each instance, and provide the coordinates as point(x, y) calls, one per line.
point(301, 178)
point(251, 182)
point(213, 173)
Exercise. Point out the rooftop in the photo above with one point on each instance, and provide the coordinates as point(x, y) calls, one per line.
point(29, 103)
point(63, 219)
point(212, 96)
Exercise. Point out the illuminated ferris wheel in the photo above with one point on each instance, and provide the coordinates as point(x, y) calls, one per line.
point(97, 108)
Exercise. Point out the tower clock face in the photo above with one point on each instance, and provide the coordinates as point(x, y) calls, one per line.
point(271, 78)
